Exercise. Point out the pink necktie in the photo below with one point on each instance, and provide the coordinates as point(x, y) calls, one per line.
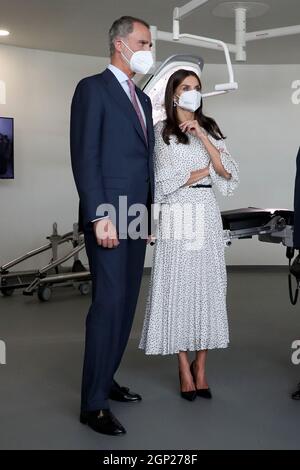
point(136, 106)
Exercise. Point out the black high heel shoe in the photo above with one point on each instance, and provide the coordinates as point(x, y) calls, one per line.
point(201, 392)
point(190, 396)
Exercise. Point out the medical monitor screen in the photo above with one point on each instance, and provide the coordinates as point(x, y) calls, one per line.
point(6, 148)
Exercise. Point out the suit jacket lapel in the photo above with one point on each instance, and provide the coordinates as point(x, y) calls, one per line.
point(122, 100)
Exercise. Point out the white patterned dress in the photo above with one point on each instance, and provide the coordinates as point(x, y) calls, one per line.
point(186, 303)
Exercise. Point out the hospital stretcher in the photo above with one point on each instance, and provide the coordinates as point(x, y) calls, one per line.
point(270, 225)
point(54, 273)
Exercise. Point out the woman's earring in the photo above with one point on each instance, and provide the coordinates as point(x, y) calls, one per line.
point(174, 104)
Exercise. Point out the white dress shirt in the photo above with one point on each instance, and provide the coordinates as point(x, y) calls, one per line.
point(122, 79)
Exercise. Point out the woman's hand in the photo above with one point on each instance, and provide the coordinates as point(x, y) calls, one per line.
point(193, 127)
point(197, 175)
point(200, 174)
point(204, 172)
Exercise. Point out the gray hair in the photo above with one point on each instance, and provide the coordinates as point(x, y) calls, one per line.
point(121, 28)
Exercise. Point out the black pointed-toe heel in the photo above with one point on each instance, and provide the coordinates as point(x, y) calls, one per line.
point(204, 392)
point(201, 392)
point(190, 396)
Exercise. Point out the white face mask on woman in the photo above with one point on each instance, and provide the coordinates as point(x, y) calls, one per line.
point(140, 61)
point(189, 100)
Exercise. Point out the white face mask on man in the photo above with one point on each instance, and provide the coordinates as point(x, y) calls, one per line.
point(140, 61)
point(189, 100)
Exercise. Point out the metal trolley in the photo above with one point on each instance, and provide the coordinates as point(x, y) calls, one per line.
point(42, 281)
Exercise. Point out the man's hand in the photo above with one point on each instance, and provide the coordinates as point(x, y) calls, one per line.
point(151, 239)
point(106, 233)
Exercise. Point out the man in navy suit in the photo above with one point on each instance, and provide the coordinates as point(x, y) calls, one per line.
point(296, 235)
point(112, 141)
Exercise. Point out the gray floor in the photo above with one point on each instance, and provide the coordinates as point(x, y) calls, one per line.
point(251, 380)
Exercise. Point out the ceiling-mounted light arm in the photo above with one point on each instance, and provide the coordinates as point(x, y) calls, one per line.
point(179, 13)
point(240, 34)
point(221, 87)
point(169, 37)
point(185, 10)
point(273, 33)
point(242, 37)
point(241, 11)
point(153, 30)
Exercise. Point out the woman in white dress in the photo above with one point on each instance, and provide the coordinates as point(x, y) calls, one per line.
point(186, 304)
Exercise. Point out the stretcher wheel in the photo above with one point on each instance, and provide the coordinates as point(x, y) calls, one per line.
point(7, 291)
point(296, 395)
point(84, 288)
point(44, 293)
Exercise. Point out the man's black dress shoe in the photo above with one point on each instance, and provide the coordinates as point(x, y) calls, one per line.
point(102, 421)
point(296, 394)
point(119, 393)
point(201, 392)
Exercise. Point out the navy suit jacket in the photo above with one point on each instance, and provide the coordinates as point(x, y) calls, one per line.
point(297, 205)
point(109, 153)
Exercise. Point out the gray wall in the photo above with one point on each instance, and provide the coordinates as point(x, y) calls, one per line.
point(260, 120)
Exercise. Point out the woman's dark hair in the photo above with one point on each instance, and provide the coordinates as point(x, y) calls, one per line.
point(172, 124)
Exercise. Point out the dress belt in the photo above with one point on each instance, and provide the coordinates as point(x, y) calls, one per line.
point(201, 186)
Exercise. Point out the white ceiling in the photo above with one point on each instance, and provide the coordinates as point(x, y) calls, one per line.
point(81, 26)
